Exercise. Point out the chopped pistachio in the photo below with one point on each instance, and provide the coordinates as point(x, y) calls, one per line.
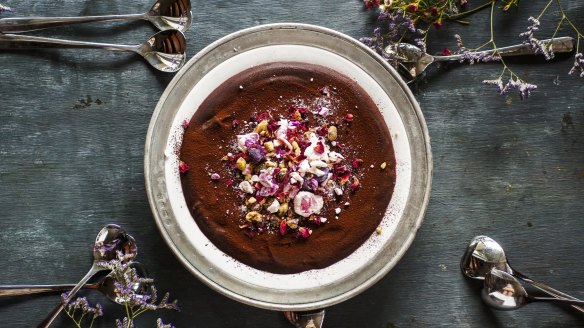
point(269, 146)
point(378, 230)
point(251, 200)
point(271, 164)
point(262, 126)
point(283, 209)
point(332, 133)
point(253, 216)
point(293, 224)
point(241, 163)
point(383, 165)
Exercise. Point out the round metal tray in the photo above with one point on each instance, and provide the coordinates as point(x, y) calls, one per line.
point(301, 43)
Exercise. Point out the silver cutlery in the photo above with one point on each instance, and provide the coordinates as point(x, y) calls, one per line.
point(165, 50)
point(484, 253)
point(164, 14)
point(413, 61)
point(106, 286)
point(109, 241)
point(502, 291)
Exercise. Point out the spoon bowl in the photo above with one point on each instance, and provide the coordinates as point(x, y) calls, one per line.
point(482, 254)
point(171, 15)
point(107, 286)
point(504, 292)
point(165, 50)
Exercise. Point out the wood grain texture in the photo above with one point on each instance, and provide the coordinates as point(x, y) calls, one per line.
point(72, 131)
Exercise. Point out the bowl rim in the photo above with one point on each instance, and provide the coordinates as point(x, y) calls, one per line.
point(420, 151)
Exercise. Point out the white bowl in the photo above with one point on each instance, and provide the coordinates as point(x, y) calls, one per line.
point(288, 43)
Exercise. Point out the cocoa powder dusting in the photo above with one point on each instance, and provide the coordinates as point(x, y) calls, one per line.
point(360, 134)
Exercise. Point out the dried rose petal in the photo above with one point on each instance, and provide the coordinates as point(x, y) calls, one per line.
point(356, 184)
point(229, 182)
point(215, 176)
point(319, 147)
point(235, 123)
point(283, 227)
point(307, 203)
point(183, 167)
point(303, 232)
point(348, 118)
point(185, 124)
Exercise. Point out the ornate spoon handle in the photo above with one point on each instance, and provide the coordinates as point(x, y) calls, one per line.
point(559, 45)
point(27, 24)
point(13, 41)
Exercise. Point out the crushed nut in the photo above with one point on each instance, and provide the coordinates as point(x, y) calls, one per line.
point(332, 133)
point(253, 216)
point(241, 163)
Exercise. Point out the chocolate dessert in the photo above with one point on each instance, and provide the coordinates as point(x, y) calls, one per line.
point(287, 167)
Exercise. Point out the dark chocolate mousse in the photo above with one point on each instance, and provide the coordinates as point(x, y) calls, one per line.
point(288, 167)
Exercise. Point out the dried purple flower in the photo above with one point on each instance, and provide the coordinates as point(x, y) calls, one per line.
point(537, 46)
point(256, 153)
point(160, 324)
point(376, 43)
point(135, 301)
point(578, 67)
point(79, 309)
point(472, 57)
point(520, 85)
point(4, 9)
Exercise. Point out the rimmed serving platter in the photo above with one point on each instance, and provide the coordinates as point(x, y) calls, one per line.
point(288, 43)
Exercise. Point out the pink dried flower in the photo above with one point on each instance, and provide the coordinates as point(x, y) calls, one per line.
point(348, 118)
point(215, 176)
point(183, 167)
point(319, 147)
point(185, 124)
point(283, 227)
point(303, 232)
point(356, 184)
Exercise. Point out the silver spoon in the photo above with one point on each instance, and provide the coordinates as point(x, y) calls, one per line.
point(109, 241)
point(164, 14)
point(165, 50)
point(310, 319)
point(106, 286)
point(504, 292)
point(415, 61)
point(484, 253)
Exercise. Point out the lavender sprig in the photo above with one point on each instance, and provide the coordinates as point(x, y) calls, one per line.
point(135, 301)
point(160, 324)
point(578, 68)
point(538, 47)
point(521, 86)
point(4, 9)
point(80, 310)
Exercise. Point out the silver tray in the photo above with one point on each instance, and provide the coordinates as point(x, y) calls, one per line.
point(288, 42)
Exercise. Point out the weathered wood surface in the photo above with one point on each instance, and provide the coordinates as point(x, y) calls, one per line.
point(72, 131)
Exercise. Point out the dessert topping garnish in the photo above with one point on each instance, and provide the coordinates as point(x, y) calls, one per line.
point(287, 169)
